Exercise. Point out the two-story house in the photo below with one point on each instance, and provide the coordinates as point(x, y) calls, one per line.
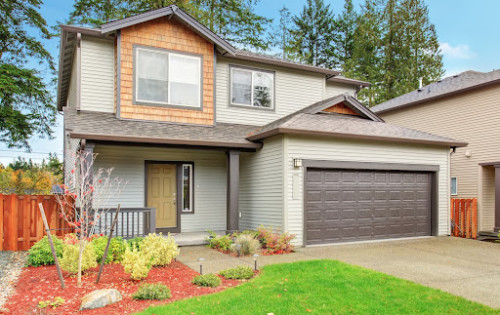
point(217, 138)
point(462, 106)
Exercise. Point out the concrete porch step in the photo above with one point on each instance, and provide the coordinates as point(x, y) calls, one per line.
point(484, 235)
point(192, 238)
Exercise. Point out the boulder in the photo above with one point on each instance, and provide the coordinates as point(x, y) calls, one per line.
point(100, 298)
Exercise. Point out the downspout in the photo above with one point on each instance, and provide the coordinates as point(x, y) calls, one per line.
point(453, 151)
point(78, 70)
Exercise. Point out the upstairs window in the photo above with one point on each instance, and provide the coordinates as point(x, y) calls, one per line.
point(252, 88)
point(166, 78)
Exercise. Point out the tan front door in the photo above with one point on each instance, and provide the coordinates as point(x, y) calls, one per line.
point(162, 193)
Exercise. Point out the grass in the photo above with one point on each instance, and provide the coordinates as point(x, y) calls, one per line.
point(325, 287)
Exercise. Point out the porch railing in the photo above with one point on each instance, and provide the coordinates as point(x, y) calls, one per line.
point(132, 222)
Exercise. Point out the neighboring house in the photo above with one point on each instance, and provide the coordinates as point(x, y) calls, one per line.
point(465, 106)
point(222, 139)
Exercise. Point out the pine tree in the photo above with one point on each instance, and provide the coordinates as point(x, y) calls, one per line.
point(280, 35)
point(347, 27)
point(315, 35)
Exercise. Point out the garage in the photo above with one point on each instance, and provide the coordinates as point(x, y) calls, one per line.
point(345, 205)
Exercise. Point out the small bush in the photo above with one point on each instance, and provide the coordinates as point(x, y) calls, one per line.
point(219, 242)
point(249, 245)
point(69, 260)
point(152, 291)
point(135, 242)
point(58, 301)
point(115, 252)
point(240, 272)
point(40, 254)
point(253, 233)
point(136, 263)
point(274, 242)
point(161, 249)
point(208, 280)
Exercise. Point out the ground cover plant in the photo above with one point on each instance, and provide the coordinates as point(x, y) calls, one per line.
point(152, 291)
point(240, 272)
point(208, 280)
point(325, 287)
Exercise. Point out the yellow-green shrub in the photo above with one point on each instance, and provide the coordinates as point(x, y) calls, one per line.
point(69, 260)
point(136, 263)
point(161, 249)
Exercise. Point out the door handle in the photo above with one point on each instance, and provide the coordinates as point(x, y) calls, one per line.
point(174, 201)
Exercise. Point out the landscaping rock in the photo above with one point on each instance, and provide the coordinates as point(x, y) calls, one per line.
point(100, 298)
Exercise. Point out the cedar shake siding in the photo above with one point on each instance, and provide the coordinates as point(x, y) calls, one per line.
point(170, 35)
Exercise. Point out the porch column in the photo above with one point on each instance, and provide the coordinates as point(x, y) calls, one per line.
point(497, 198)
point(233, 185)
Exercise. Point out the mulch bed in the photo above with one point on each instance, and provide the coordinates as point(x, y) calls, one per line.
point(261, 253)
point(41, 284)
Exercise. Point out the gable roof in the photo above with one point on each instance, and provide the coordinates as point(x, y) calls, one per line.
point(312, 121)
point(460, 83)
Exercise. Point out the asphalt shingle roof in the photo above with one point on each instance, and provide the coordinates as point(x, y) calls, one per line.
point(450, 85)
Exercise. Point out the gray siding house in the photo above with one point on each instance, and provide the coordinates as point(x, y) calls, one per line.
point(217, 138)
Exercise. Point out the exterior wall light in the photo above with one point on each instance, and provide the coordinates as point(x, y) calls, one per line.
point(297, 162)
point(255, 256)
point(201, 260)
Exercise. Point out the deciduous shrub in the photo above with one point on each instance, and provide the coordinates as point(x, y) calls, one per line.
point(69, 260)
point(249, 245)
point(40, 254)
point(161, 249)
point(135, 242)
point(208, 280)
point(152, 291)
point(223, 242)
point(274, 242)
point(136, 263)
point(240, 272)
point(116, 249)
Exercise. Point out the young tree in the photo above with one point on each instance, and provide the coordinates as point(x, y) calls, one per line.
point(315, 35)
point(26, 104)
point(347, 27)
point(86, 199)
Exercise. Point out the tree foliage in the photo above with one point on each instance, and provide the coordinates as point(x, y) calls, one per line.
point(26, 104)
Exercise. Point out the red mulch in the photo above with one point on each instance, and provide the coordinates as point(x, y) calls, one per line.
point(261, 252)
point(41, 284)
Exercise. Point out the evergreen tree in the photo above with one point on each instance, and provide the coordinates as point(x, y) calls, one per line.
point(347, 28)
point(315, 35)
point(280, 36)
point(26, 105)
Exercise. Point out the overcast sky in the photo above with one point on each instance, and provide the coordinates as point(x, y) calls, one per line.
point(468, 32)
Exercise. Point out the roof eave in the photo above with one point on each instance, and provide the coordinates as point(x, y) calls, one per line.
point(349, 81)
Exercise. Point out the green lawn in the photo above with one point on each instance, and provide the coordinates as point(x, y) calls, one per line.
point(325, 287)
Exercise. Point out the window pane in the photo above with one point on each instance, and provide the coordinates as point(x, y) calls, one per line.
point(262, 89)
point(187, 177)
point(241, 87)
point(152, 76)
point(453, 185)
point(184, 80)
point(152, 90)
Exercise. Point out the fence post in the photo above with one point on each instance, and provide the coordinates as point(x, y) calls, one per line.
point(457, 216)
point(467, 220)
point(474, 218)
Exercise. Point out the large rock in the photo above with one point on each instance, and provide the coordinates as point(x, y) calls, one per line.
point(100, 298)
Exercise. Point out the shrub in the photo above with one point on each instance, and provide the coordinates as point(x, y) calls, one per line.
point(135, 242)
point(136, 263)
point(58, 301)
point(274, 242)
point(115, 252)
point(219, 242)
point(240, 272)
point(249, 244)
point(161, 249)
point(208, 280)
point(253, 233)
point(40, 254)
point(152, 291)
point(69, 260)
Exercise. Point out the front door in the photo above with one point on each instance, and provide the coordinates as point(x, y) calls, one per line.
point(162, 194)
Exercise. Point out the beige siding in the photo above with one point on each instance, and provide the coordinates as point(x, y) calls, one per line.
point(209, 180)
point(334, 89)
point(293, 90)
point(472, 117)
point(97, 70)
point(261, 186)
point(73, 89)
point(360, 151)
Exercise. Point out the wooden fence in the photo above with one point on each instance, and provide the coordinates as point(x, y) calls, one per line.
point(464, 218)
point(21, 223)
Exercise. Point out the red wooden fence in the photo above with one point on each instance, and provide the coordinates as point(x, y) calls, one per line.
point(464, 218)
point(21, 222)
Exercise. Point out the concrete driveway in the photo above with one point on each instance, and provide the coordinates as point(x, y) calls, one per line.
point(467, 268)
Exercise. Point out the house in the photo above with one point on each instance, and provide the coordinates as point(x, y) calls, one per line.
point(462, 106)
point(217, 138)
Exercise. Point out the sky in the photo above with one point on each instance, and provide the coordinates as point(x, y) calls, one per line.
point(468, 32)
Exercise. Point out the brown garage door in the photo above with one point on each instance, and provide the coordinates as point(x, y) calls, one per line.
point(354, 205)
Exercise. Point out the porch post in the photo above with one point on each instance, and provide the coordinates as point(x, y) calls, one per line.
point(497, 198)
point(233, 183)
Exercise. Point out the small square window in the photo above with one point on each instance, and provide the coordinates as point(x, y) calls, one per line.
point(252, 88)
point(454, 186)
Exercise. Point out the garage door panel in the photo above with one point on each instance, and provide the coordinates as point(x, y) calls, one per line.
point(350, 205)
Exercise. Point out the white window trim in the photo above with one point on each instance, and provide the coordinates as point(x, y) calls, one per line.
point(251, 88)
point(456, 185)
point(168, 53)
point(191, 186)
